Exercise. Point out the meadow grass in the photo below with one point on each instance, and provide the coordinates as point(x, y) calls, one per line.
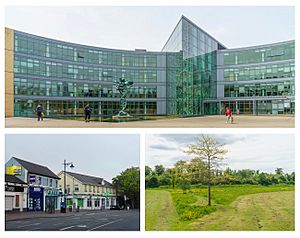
point(187, 209)
point(270, 211)
point(191, 205)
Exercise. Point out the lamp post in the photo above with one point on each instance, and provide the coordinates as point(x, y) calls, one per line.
point(73, 199)
point(65, 181)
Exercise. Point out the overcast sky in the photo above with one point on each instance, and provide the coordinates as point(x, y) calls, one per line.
point(149, 27)
point(246, 151)
point(99, 155)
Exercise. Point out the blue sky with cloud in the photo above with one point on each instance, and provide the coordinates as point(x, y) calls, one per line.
point(145, 27)
point(265, 152)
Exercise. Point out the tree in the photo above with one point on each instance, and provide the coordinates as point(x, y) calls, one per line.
point(181, 168)
point(165, 178)
point(148, 171)
point(279, 171)
point(184, 184)
point(246, 176)
point(173, 177)
point(152, 182)
point(292, 178)
point(212, 153)
point(264, 179)
point(196, 170)
point(129, 182)
point(159, 169)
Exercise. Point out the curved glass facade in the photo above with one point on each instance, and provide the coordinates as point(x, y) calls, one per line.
point(194, 74)
point(64, 76)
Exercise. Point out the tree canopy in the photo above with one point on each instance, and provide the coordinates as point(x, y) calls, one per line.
point(129, 182)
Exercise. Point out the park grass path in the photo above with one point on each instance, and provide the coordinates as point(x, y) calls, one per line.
point(272, 211)
point(160, 211)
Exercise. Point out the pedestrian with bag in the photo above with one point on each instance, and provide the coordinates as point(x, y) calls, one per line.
point(39, 112)
point(87, 112)
point(228, 115)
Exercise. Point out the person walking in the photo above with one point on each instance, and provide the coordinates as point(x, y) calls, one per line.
point(39, 112)
point(87, 112)
point(228, 114)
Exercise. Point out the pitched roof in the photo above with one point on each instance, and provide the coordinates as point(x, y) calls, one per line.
point(37, 169)
point(13, 179)
point(87, 179)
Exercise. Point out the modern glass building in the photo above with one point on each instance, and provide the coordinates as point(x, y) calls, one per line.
point(255, 80)
point(194, 74)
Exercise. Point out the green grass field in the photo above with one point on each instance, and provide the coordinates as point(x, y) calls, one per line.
point(236, 207)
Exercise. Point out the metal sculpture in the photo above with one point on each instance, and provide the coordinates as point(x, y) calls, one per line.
point(123, 87)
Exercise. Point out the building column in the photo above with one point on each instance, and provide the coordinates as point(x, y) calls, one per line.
point(93, 203)
point(75, 108)
point(85, 203)
point(47, 108)
point(75, 202)
point(9, 72)
point(100, 108)
point(21, 202)
point(254, 107)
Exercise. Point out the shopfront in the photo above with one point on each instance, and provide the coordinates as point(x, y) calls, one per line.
point(51, 200)
point(15, 194)
point(35, 199)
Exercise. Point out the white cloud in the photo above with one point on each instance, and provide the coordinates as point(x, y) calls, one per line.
point(246, 151)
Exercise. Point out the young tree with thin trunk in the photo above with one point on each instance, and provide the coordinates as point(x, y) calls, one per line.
point(212, 153)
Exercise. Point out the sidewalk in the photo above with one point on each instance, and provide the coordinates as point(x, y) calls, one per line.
point(240, 121)
point(11, 216)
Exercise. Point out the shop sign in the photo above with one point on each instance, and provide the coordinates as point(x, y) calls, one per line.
point(14, 189)
point(14, 170)
point(52, 192)
point(32, 178)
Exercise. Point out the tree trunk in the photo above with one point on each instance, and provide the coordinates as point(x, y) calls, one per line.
point(208, 184)
point(209, 197)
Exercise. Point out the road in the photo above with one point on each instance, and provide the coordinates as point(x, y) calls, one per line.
point(83, 221)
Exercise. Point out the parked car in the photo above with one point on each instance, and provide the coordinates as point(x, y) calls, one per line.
point(116, 207)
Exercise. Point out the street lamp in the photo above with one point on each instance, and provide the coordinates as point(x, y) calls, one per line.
point(65, 180)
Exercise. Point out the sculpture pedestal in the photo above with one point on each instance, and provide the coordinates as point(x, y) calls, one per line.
point(121, 117)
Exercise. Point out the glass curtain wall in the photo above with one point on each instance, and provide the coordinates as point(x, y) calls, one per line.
point(195, 71)
point(62, 76)
point(266, 74)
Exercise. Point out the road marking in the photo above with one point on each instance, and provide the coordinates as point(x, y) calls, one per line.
point(66, 228)
point(105, 224)
point(38, 228)
point(90, 214)
point(33, 224)
point(81, 226)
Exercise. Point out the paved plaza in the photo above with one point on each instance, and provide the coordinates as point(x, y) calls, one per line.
point(240, 121)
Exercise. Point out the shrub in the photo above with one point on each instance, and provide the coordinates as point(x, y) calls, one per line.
point(184, 184)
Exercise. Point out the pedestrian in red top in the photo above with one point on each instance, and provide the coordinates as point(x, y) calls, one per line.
point(228, 114)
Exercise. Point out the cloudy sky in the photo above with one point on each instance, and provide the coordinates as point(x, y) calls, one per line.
point(149, 27)
point(246, 151)
point(99, 155)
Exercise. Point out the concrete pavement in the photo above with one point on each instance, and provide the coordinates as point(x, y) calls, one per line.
point(107, 220)
point(240, 121)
